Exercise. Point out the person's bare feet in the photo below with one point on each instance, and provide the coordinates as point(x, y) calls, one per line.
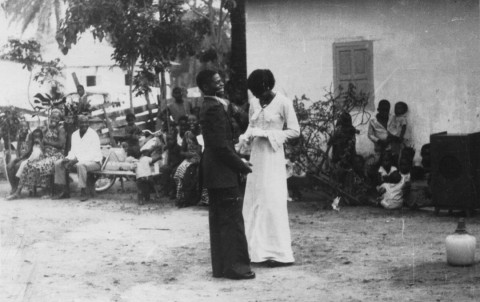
point(12, 196)
point(62, 195)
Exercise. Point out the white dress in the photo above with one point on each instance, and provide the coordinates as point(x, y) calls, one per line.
point(265, 204)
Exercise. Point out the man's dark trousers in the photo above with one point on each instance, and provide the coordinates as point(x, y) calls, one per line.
point(220, 169)
point(228, 243)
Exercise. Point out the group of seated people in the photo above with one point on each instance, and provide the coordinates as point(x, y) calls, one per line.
point(42, 155)
point(384, 177)
point(381, 179)
point(178, 145)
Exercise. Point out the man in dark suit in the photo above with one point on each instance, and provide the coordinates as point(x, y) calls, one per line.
point(220, 171)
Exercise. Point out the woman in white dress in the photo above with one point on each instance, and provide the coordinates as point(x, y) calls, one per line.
point(272, 122)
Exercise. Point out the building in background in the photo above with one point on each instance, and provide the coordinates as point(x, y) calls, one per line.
point(424, 53)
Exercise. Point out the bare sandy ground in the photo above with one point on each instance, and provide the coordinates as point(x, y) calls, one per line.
point(111, 249)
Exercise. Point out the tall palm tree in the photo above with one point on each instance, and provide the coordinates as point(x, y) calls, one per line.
point(43, 16)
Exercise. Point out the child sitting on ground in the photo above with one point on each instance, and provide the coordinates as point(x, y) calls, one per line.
point(357, 182)
point(36, 150)
point(386, 168)
point(393, 188)
point(144, 175)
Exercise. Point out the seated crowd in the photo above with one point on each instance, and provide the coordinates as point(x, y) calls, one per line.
point(43, 160)
point(385, 177)
point(45, 155)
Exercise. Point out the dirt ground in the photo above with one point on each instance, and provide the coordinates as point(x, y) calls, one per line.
point(111, 249)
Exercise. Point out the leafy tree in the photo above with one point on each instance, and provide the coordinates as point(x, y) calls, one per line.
point(318, 124)
point(318, 121)
point(225, 43)
point(214, 17)
point(9, 126)
point(28, 53)
point(45, 15)
point(153, 33)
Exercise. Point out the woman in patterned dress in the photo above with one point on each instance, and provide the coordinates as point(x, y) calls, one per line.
point(191, 150)
point(38, 174)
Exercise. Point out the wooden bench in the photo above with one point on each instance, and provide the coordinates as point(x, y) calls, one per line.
point(114, 174)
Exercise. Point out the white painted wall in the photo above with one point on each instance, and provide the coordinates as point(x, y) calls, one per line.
point(88, 58)
point(426, 53)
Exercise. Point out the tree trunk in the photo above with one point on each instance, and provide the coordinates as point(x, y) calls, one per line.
point(28, 89)
point(130, 86)
point(163, 91)
point(239, 53)
point(9, 155)
point(150, 122)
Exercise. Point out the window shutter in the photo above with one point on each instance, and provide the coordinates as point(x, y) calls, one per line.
point(353, 63)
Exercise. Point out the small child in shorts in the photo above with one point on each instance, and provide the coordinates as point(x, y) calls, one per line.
point(144, 176)
point(397, 129)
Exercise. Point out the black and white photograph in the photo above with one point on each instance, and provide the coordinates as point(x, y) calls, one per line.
point(239, 150)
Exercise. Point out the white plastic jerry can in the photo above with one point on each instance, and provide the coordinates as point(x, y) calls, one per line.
point(460, 246)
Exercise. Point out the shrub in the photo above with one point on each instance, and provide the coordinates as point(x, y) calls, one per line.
point(317, 124)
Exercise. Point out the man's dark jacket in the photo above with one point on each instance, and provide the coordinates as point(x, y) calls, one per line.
point(220, 163)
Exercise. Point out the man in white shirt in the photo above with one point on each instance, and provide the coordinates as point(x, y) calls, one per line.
point(85, 154)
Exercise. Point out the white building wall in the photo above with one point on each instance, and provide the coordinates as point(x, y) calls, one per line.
point(88, 58)
point(426, 53)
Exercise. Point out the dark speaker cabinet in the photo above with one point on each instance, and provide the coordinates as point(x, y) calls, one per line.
point(455, 160)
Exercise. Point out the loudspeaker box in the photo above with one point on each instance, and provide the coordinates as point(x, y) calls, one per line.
point(455, 164)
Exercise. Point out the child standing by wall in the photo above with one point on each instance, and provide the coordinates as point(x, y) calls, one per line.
point(377, 127)
point(397, 129)
point(343, 141)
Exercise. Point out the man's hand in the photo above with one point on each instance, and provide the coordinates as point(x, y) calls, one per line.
point(69, 163)
point(248, 166)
